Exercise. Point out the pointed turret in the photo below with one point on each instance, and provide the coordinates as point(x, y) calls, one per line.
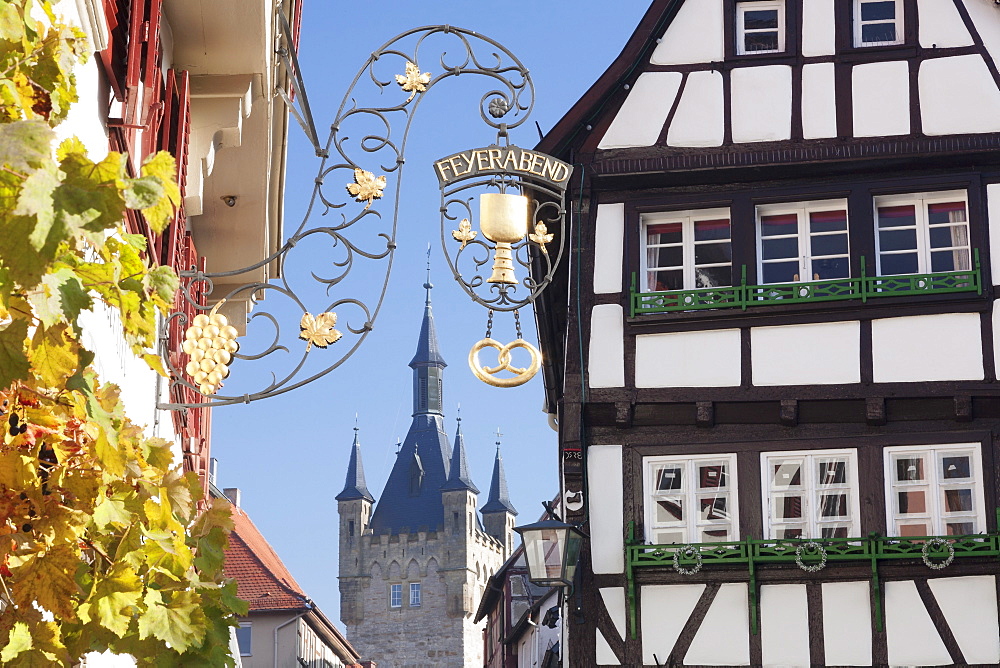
point(499, 499)
point(427, 362)
point(411, 500)
point(458, 477)
point(354, 504)
point(498, 513)
point(355, 486)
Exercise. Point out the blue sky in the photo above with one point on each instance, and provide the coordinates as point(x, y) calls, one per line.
point(288, 454)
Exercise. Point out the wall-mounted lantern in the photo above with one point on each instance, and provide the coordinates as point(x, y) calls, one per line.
point(552, 550)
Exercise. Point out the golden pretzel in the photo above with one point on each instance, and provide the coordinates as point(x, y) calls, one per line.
point(521, 375)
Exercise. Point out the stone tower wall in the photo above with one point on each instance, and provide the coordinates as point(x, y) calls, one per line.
point(450, 567)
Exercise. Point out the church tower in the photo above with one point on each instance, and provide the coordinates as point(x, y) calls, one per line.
point(413, 570)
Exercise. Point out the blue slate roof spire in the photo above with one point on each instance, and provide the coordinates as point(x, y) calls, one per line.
point(499, 499)
point(355, 486)
point(459, 477)
point(411, 500)
point(428, 353)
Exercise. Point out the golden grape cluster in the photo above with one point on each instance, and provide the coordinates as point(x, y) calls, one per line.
point(210, 342)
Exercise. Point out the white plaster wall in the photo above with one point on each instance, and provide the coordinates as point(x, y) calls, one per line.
point(958, 96)
point(996, 334)
point(604, 654)
point(819, 101)
point(927, 348)
point(115, 363)
point(984, 17)
point(881, 94)
point(607, 519)
point(664, 611)
point(700, 117)
point(641, 117)
point(993, 211)
point(784, 625)
point(606, 366)
point(814, 354)
point(86, 118)
point(910, 633)
point(969, 605)
point(694, 36)
point(941, 25)
point(708, 358)
point(609, 246)
point(818, 28)
point(724, 636)
point(762, 103)
point(614, 601)
point(847, 623)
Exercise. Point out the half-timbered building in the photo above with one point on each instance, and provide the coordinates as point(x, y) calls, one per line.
point(773, 352)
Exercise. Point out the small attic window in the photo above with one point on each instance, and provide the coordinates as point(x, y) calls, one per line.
point(878, 22)
point(760, 27)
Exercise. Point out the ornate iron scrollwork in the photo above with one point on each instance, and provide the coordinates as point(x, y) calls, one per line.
point(353, 171)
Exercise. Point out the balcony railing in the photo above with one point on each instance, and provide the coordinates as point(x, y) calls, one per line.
point(810, 555)
point(863, 288)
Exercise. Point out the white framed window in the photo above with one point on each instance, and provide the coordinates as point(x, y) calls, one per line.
point(921, 233)
point(414, 594)
point(691, 499)
point(878, 22)
point(935, 490)
point(811, 494)
point(760, 26)
point(802, 241)
point(244, 638)
point(684, 250)
point(396, 596)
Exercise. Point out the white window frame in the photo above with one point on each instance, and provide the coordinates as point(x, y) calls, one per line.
point(248, 651)
point(858, 23)
point(803, 235)
point(921, 202)
point(810, 491)
point(688, 245)
point(936, 486)
point(693, 525)
point(741, 31)
point(415, 595)
point(396, 595)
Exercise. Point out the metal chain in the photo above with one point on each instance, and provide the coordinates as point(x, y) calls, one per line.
point(489, 325)
point(517, 323)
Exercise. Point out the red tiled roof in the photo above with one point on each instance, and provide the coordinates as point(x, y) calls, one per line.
point(261, 578)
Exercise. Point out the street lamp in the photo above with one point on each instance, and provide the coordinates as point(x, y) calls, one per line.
point(552, 549)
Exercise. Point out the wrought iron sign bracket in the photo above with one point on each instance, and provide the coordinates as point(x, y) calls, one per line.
point(357, 180)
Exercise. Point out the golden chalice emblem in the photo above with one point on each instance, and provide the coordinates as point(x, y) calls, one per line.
point(488, 374)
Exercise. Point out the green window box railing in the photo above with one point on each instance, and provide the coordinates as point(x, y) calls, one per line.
point(865, 287)
point(812, 555)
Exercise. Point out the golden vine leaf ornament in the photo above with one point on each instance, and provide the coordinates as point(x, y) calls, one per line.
point(464, 233)
point(413, 81)
point(366, 187)
point(319, 330)
point(488, 374)
point(541, 236)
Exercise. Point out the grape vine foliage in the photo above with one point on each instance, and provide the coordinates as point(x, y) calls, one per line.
point(105, 543)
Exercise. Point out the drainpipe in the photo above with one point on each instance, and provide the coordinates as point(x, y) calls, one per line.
point(284, 624)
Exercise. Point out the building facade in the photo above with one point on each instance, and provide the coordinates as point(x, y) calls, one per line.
point(283, 628)
point(197, 79)
point(414, 566)
point(774, 359)
point(523, 620)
